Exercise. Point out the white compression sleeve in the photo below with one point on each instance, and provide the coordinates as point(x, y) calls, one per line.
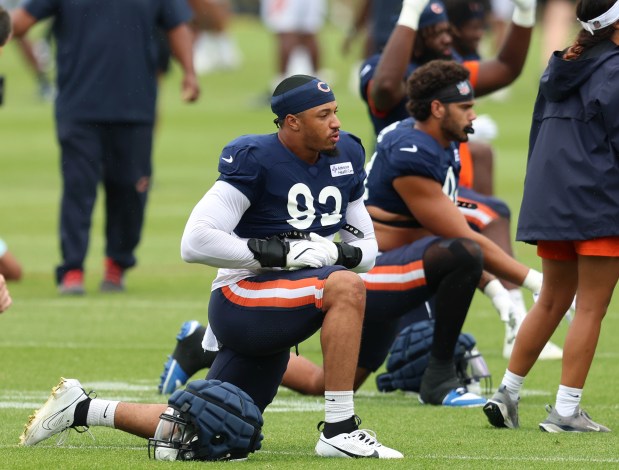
point(208, 237)
point(357, 216)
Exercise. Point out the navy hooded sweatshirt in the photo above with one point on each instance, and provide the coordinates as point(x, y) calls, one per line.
point(571, 188)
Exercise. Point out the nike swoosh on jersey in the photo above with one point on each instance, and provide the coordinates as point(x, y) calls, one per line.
point(228, 160)
point(412, 149)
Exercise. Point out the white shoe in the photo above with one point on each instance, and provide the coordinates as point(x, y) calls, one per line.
point(56, 415)
point(359, 443)
point(550, 352)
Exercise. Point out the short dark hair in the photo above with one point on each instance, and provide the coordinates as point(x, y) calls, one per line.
point(427, 80)
point(5, 26)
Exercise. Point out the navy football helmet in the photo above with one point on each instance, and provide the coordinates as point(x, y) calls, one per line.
point(209, 420)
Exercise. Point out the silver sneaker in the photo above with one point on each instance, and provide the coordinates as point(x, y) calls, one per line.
point(580, 421)
point(501, 410)
point(56, 415)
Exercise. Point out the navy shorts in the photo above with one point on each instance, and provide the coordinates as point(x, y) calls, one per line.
point(258, 320)
point(396, 288)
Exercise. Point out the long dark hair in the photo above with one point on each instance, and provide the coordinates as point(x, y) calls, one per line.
point(587, 10)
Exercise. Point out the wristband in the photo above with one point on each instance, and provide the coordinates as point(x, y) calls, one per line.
point(409, 15)
point(533, 281)
point(347, 255)
point(270, 253)
point(3, 247)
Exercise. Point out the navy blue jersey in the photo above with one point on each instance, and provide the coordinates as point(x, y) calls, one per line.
point(381, 120)
point(107, 55)
point(571, 189)
point(287, 193)
point(402, 150)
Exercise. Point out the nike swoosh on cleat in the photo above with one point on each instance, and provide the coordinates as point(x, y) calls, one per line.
point(594, 428)
point(350, 454)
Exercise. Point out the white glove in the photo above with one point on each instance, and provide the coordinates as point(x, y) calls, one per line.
point(410, 13)
point(502, 301)
point(313, 253)
point(524, 13)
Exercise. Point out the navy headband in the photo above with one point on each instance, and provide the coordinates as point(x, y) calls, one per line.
point(299, 99)
point(456, 93)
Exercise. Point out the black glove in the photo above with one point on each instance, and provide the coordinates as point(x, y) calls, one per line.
point(347, 255)
point(270, 253)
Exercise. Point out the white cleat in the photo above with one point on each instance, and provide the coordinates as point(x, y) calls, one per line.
point(361, 443)
point(550, 352)
point(56, 415)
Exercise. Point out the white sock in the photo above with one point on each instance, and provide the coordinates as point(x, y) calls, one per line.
point(339, 406)
point(513, 384)
point(101, 413)
point(568, 399)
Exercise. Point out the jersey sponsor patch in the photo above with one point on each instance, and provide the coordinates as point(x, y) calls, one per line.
point(341, 169)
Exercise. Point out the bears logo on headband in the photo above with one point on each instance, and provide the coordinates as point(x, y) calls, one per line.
point(322, 86)
point(299, 93)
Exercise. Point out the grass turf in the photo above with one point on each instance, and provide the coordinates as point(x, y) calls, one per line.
point(116, 344)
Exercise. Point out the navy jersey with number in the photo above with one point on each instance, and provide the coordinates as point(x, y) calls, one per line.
point(402, 150)
point(287, 193)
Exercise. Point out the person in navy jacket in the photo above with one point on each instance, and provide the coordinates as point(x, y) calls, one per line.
point(570, 209)
point(106, 58)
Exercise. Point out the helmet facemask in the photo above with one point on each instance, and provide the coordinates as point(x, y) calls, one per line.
point(474, 373)
point(173, 438)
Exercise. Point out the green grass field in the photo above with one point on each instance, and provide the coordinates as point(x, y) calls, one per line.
point(116, 344)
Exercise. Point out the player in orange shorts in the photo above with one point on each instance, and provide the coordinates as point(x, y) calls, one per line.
point(570, 210)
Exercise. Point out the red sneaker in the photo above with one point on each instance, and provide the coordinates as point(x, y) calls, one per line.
point(72, 283)
point(113, 279)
